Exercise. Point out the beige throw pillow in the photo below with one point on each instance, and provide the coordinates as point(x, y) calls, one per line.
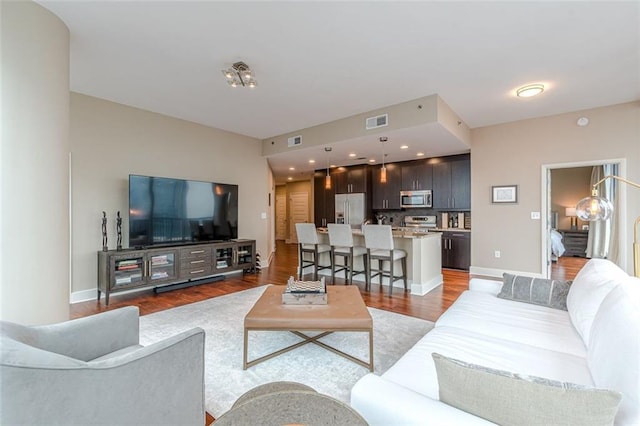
point(513, 399)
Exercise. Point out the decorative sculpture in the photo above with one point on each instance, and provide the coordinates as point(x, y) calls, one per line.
point(119, 230)
point(104, 232)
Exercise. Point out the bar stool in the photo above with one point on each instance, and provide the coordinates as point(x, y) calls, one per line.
point(378, 239)
point(308, 243)
point(341, 241)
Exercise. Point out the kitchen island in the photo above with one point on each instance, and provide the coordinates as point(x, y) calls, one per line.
point(424, 259)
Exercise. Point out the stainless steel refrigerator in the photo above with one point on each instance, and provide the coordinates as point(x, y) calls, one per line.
point(350, 209)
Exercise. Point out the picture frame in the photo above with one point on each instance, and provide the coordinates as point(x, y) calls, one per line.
point(504, 194)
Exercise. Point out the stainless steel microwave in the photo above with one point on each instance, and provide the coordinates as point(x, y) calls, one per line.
point(413, 199)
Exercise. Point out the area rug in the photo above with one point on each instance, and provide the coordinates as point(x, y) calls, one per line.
point(225, 380)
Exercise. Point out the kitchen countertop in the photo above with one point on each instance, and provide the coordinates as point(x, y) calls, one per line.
point(407, 232)
point(397, 233)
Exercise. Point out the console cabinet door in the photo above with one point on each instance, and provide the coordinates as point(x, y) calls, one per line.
point(386, 196)
point(162, 266)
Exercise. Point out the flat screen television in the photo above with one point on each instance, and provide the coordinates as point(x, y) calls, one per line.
point(165, 211)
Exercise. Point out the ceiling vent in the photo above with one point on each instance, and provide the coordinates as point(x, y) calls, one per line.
point(375, 122)
point(294, 141)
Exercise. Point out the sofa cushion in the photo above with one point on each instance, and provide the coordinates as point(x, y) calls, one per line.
point(591, 285)
point(513, 399)
point(614, 348)
point(534, 325)
point(538, 291)
point(416, 370)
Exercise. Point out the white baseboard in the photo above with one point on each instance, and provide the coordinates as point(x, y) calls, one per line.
point(420, 289)
point(497, 273)
point(84, 295)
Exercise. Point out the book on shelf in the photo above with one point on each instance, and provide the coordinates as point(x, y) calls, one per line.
point(160, 260)
point(127, 267)
point(159, 275)
point(128, 279)
point(128, 262)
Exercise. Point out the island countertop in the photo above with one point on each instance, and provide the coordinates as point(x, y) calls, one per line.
point(397, 233)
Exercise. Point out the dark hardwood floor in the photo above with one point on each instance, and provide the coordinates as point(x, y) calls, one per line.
point(283, 265)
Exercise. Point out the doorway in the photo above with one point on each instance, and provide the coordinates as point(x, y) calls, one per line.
point(553, 218)
point(281, 217)
point(298, 212)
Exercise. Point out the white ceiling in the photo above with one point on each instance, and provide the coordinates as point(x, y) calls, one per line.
point(316, 62)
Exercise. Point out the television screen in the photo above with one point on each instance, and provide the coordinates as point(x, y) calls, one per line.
point(165, 211)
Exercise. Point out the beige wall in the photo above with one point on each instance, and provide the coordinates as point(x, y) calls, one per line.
point(35, 165)
point(109, 141)
point(514, 153)
point(568, 186)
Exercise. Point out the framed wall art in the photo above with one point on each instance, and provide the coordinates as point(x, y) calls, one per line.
point(504, 194)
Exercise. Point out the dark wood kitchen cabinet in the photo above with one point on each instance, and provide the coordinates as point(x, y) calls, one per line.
point(456, 250)
point(452, 184)
point(351, 179)
point(386, 196)
point(324, 200)
point(416, 175)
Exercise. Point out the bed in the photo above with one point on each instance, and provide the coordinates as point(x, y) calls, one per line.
point(557, 248)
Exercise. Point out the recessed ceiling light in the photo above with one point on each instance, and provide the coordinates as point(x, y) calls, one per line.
point(352, 154)
point(292, 168)
point(530, 90)
point(372, 160)
point(420, 154)
point(404, 146)
point(312, 161)
point(289, 178)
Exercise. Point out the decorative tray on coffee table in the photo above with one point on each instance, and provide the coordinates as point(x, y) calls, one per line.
point(305, 292)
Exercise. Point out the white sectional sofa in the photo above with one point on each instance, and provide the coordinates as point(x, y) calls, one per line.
point(595, 344)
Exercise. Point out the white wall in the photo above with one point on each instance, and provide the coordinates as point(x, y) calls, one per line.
point(109, 141)
point(35, 171)
point(514, 153)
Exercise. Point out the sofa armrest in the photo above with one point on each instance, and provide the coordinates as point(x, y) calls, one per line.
point(487, 286)
point(91, 337)
point(160, 384)
point(382, 402)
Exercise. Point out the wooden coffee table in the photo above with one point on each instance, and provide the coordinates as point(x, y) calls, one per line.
point(345, 311)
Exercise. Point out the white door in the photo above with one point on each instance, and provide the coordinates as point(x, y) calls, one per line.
point(298, 212)
point(281, 217)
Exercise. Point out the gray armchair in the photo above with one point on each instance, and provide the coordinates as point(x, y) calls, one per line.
point(93, 370)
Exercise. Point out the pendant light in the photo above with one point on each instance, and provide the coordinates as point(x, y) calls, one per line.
point(327, 178)
point(383, 170)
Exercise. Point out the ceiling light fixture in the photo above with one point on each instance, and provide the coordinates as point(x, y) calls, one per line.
point(327, 178)
point(383, 170)
point(240, 75)
point(530, 90)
